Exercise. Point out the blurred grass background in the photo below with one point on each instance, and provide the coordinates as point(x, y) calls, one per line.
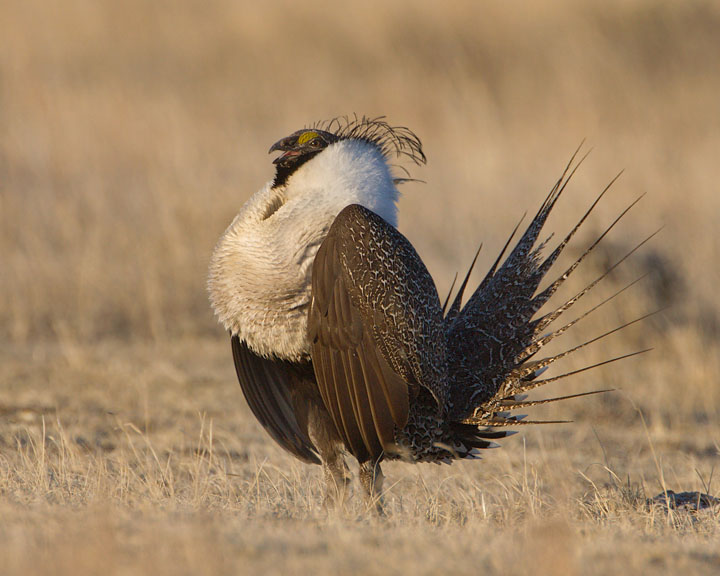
point(131, 133)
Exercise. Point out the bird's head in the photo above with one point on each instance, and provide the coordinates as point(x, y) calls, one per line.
point(298, 148)
point(307, 143)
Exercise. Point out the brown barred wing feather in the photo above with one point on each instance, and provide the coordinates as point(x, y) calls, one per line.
point(365, 328)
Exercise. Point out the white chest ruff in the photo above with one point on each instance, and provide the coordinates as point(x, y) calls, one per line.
point(261, 291)
point(260, 271)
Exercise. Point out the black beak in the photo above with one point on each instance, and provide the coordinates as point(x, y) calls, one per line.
point(287, 145)
point(284, 144)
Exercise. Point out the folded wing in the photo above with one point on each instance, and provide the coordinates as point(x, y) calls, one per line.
point(267, 386)
point(376, 331)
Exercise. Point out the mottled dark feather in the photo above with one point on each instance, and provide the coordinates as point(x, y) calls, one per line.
point(494, 333)
point(395, 341)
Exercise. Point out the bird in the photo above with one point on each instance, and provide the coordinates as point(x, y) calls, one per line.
point(340, 341)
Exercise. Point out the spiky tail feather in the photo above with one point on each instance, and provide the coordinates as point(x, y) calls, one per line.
point(493, 338)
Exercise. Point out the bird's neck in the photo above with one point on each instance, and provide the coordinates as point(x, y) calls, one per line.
point(347, 172)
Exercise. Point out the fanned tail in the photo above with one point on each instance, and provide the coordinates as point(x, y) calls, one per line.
point(494, 336)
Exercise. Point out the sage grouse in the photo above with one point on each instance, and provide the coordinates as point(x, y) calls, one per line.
point(339, 338)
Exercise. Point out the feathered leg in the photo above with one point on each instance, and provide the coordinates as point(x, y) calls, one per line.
point(337, 478)
point(335, 470)
point(371, 479)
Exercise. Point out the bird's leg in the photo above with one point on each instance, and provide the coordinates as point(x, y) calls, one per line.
point(371, 479)
point(337, 478)
point(328, 443)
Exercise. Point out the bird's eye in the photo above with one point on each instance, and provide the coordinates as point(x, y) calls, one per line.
point(316, 143)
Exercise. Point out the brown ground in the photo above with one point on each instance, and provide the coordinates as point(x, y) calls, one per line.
point(131, 132)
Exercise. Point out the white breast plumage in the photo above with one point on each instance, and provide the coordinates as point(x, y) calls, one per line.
point(259, 280)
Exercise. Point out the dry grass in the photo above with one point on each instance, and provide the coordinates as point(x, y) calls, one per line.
point(131, 132)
